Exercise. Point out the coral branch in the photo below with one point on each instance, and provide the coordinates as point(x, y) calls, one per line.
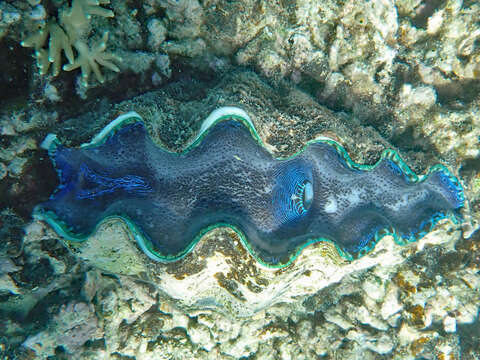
point(73, 28)
point(58, 42)
point(88, 59)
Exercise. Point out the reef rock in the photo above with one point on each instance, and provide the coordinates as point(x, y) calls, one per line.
point(400, 301)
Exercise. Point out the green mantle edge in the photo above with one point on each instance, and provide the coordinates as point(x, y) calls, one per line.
point(227, 113)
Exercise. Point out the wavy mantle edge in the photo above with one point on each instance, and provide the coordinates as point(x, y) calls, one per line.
point(226, 113)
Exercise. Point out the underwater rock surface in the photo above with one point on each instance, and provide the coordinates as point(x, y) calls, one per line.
point(226, 177)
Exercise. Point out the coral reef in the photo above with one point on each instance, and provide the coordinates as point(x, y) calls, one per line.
point(76, 322)
point(72, 29)
point(399, 301)
point(376, 74)
point(356, 57)
point(405, 310)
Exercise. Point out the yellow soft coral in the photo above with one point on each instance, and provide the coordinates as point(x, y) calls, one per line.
point(72, 29)
point(58, 42)
point(76, 19)
point(88, 58)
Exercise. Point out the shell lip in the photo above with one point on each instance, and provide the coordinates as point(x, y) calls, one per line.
point(51, 143)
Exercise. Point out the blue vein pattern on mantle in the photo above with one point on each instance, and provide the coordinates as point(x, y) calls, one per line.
point(226, 177)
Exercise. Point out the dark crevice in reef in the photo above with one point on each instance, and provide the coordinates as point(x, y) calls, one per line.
point(126, 86)
point(470, 250)
point(11, 233)
point(60, 354)
point(470, 167)
point(469, 335)
point(96, 344)
point(424, 11)
point(14, 75)
point(405, 72)
point(458, 93)
point(117, 356)
point(407, 141)
point(468, 3)
point(380, 117)
point(42, 312)
point(33, 274)
point(37, 182)
point(38, 317)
